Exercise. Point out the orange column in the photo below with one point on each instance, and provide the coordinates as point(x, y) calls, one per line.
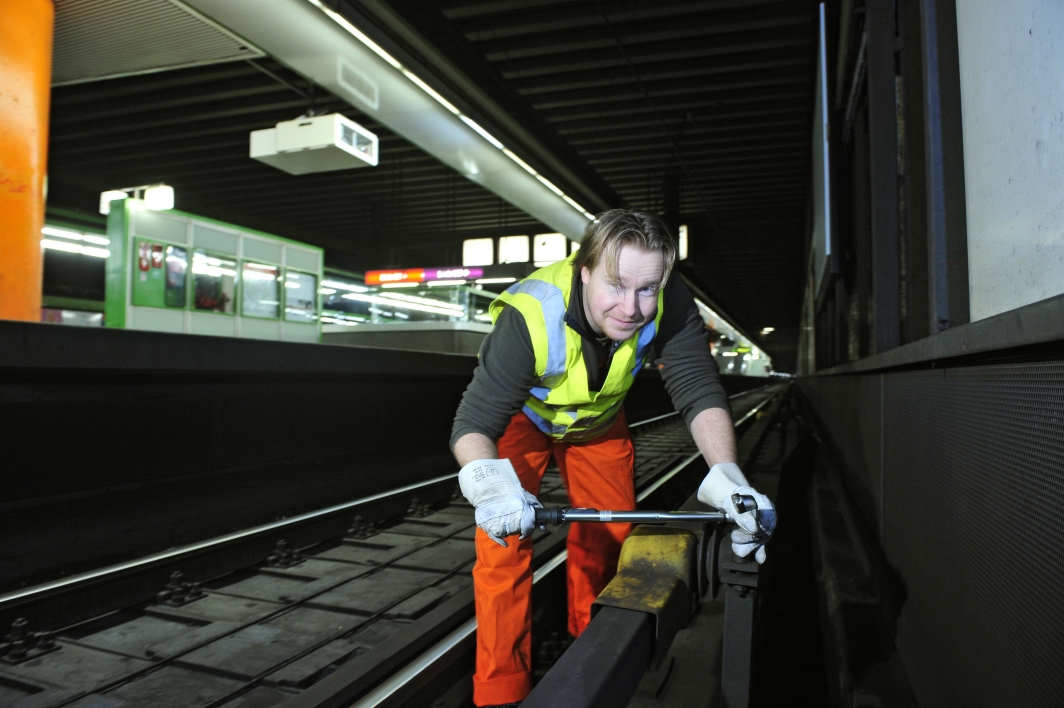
point(25, 87)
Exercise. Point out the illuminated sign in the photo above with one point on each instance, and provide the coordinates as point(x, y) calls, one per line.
point(421, 275)
point(410, 275)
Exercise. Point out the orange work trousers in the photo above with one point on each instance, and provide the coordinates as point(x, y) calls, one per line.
point(597, 474)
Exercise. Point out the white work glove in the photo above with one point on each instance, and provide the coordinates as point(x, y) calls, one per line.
point(753, 528)
point(503, 507)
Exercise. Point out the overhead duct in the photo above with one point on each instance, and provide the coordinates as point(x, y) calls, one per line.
point(106, 39)
point(325, 49)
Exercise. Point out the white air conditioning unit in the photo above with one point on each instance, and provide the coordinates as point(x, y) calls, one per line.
point(319, 144)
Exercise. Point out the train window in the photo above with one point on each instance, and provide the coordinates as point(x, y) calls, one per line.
point(213, 283)
point(260, 285)
point(175, 293)
point(300, 297)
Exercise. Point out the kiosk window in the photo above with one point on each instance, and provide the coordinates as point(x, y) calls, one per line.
point(213, 283)
point(300, 297)
point(175, 293)
point(260, 286)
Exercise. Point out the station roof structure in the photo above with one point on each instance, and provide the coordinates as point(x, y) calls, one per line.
point(699, 110)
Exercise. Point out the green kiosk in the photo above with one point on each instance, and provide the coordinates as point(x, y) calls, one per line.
point(169, 271)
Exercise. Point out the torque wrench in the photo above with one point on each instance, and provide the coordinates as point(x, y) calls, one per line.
point(556, 515)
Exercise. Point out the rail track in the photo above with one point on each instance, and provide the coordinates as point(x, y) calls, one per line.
point(362, 603)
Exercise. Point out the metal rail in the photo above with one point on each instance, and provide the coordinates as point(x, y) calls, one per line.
point(598, 682)
point(414, 667)
point(71, 582)
point(672, 413)
point(442, 649)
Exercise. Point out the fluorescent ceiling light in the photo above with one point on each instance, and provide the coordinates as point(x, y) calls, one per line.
point(327, 291)
point(391, 301)
point(514, 249)
point(478, 251)
point(483, 133)
point(730, 354)
point(458, 309)
point(400, 285)
point(61, 233)
point(417, 81)
point(213, 271)
point(159, 198)
point(350, 287)
point(345, 323)
point(440, 283)
point(342, 21)
point(61, 246)
point(549, 248)
point(484, 281)
point(430, 91)
point(109, 196)
point(767, 330)
point(74, 248)
point(76, 236)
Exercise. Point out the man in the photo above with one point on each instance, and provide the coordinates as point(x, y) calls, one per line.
point(567, 344)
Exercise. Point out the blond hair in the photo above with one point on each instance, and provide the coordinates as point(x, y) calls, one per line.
point(614, 229)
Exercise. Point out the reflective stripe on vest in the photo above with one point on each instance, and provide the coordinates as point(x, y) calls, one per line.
point(560, 404)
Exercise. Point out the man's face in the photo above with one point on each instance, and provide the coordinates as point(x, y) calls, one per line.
point(617, 308)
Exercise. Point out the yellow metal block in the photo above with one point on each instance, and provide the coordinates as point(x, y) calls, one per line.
point(656, 575)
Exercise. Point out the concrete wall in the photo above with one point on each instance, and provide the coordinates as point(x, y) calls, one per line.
point(929, 457)
point(1012, 98)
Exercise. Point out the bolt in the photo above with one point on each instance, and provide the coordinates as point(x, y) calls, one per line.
point(177, 578)
point(18, 649)
point(18, 628)
point(44, 640)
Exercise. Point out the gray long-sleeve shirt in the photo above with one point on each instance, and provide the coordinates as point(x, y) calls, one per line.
point(507, 369)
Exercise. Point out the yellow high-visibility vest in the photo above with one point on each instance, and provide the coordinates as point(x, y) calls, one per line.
point(560, 403)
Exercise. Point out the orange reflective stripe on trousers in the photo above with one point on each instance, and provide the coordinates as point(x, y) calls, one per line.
point(598, 474)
